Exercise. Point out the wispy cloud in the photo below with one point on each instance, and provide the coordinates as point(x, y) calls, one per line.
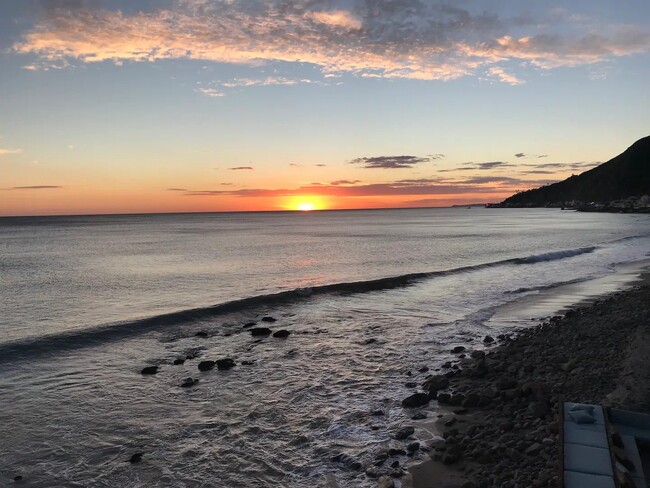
point(489, 165)
point(524, 155)
point(239, 168)
point(211, 92)
point(10, 151)
point(414, 39)
point(35, 187)
point(390, 162)
point(345, 182)
point(422, 186)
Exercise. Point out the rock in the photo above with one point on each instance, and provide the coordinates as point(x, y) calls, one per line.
point(386, 482)
point(201, 333)
point(506, 384)
point(149, 370)
point(179, 361)
point(249, 324)
point(471, 399)
point(136, 458)
point(225, 363)
point(458, 349)
point(394, 464)
point(269, 319)
point(419, 416)
point(478, 354)
point(488, 340)
point(247, 362)
point(393, 451)
point(538, 409)
point(415, 400)
point(456, 399)
point(423, 369)
point(189, 382)
point(446, 364)
point(413, 447)
point(404, 433)
point(451, 421)
point(533, 449)
point(436, 383)
point(206, 365)
point(451, 455)
point(411, 384)
point(281, 333)
point(18, 478)
point(443, 398)
point(260, 331)
point(377, 413)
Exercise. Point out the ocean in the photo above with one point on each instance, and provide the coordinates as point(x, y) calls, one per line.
point(373, 299)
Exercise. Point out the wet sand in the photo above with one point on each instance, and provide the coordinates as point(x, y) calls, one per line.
point(500, 412)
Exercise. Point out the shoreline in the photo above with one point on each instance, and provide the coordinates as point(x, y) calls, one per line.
point(497, 418)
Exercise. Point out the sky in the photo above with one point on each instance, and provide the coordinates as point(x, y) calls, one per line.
point(111, 106)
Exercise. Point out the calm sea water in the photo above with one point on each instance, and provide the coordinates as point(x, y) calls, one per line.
point(88, 301)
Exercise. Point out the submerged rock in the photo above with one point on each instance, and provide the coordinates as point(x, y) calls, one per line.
point(189, 382)
point(206, 365)
point(281, 333)
point(458, 349)
point(249, 324)
point(149, 370)
point(260, 331)
point(225, 363)
point(247, 362)
point(18, 478)
point(136, 458)
point(488, 339)
point(201, 333)
point(178, 361)
point(404, 433)
point(416, 400)
point(269, 319)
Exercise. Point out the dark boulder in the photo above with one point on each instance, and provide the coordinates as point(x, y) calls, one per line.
point(249, 324)
point(488, 339)
point(206, 365)
point(179, 361)
point(281, 333)
point(189, 382)
point(201, 333)
point(247, 362)
point(269, 319)
point(260, 331)
point(136, 458)
point(18, 478)
point(413, 447)
point(458, 349)
point(149, 370)
point(404, 433)
point(225, 363)
point(416, 400)
point(443, 398)
point(436, 383)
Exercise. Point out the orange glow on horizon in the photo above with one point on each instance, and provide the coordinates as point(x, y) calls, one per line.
point(307, 203)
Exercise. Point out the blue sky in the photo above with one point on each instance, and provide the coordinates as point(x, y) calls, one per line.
point(107, 105)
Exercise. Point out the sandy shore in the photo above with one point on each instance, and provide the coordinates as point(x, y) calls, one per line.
point(499, 425)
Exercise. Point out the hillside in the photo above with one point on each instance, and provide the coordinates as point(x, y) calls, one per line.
point(626, 175)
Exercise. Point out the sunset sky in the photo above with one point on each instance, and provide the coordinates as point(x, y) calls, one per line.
point(110, 106)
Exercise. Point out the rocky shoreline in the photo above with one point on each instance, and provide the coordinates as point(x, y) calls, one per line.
point(499, 420)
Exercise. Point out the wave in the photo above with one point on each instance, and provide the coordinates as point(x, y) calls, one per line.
point(555, 255)
point(548, 287)
point(107, 332)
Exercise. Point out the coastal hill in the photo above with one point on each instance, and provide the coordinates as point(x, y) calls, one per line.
point(625, 176)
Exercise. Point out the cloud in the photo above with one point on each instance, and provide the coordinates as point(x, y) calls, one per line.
point(270, 80)
point(413, 39)
point(423, 186)
point(211, 92)
point(177, 189)
point(499, 73)
point(390, 162)
point(524, 155)
point(35, 187)
point(489, 165)
point(321, 165)
point(10, 151)
point(345, 182)
point(239, 168)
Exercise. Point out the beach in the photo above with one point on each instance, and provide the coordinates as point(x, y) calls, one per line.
point(314, 398)
point(498, 418)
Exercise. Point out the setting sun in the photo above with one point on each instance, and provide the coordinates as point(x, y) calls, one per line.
point(306, 206)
